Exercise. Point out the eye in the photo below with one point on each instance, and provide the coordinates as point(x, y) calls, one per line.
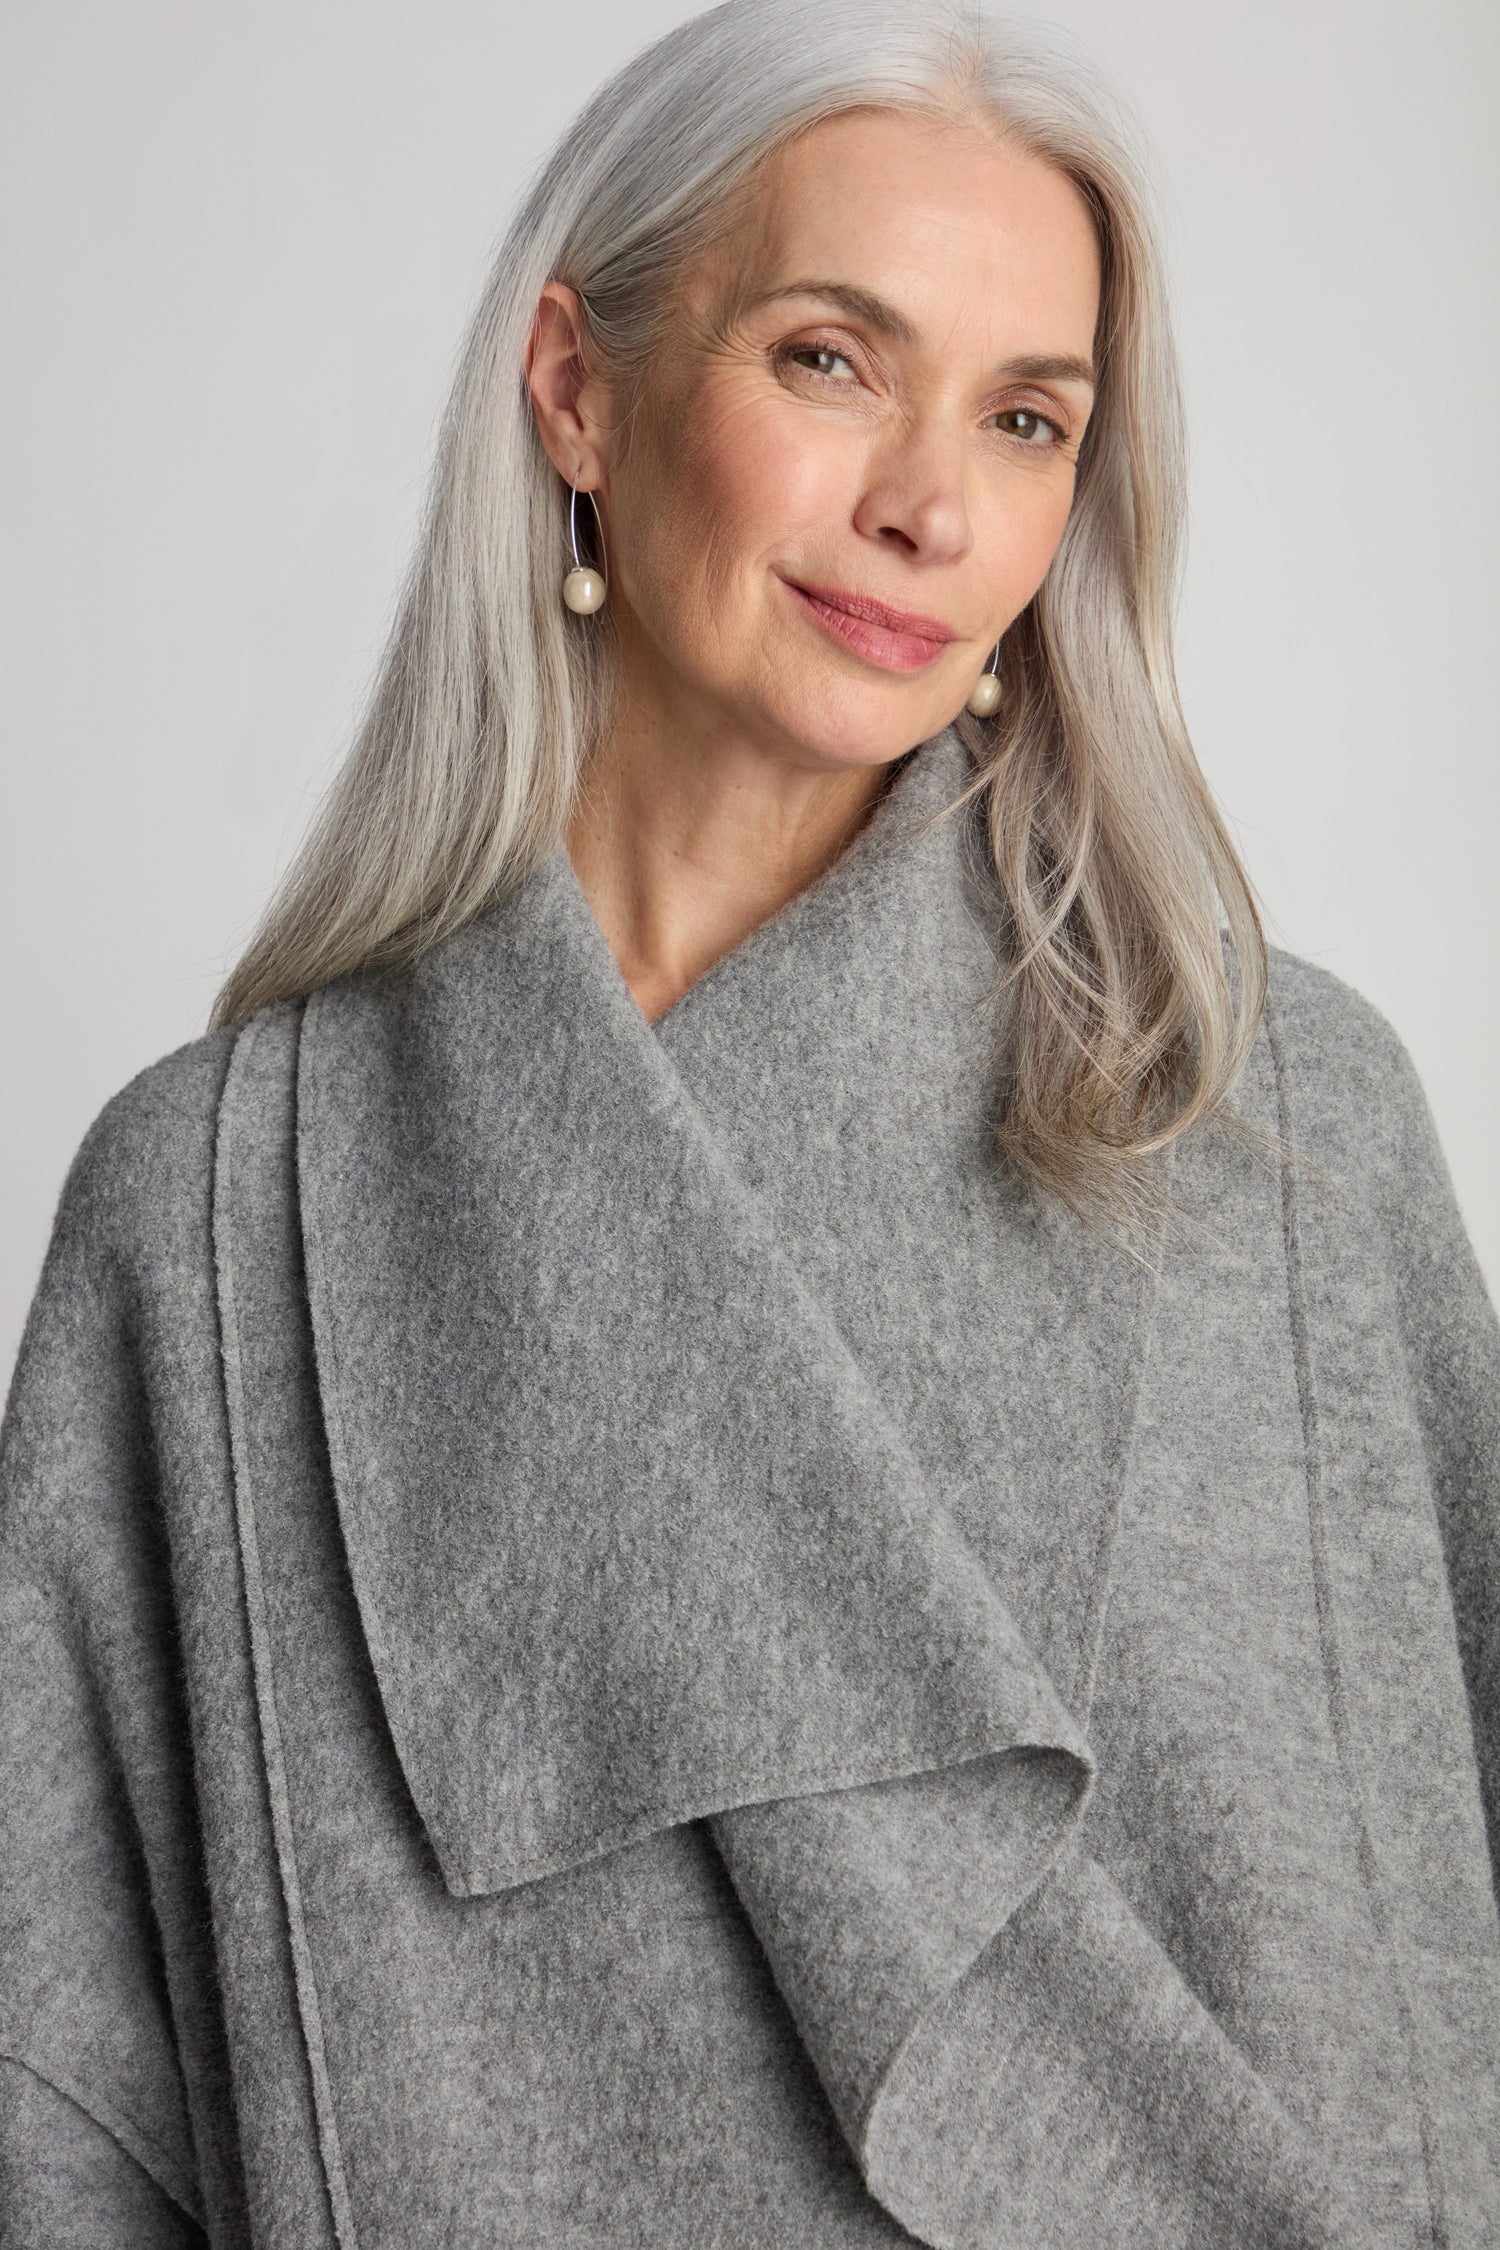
point(817, 359)
point(1033, 428)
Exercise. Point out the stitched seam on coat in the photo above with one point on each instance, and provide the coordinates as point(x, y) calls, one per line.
point(1081, 1691)
point(141, 2147)
point(1328, 1641)
point(304, 1979)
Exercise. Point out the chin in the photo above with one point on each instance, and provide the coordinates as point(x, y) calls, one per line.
point(864, 729)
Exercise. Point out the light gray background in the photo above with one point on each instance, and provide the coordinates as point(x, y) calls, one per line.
point(239, 249)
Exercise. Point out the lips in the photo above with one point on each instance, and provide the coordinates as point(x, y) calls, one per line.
point(898, 640)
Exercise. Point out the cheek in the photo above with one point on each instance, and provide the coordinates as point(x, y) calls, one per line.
point(1024, 536)
point(739, 478)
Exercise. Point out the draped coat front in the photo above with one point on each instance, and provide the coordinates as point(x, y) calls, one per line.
point(613, 1635)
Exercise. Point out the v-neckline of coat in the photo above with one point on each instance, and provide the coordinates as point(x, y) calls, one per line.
point(927, 784)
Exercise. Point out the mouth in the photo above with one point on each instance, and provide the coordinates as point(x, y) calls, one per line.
point(898, 640)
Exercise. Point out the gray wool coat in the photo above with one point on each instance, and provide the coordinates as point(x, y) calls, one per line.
point(613, 1636)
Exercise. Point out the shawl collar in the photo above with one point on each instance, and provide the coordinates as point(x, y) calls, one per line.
point(632, 1535)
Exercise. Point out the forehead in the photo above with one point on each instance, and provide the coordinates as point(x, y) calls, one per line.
point(945, 219)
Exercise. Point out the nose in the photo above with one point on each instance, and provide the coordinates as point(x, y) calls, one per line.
point(915, 497)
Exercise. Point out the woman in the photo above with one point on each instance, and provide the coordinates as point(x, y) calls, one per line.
point(763, 1512)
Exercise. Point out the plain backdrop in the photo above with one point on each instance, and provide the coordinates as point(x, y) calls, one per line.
point(239, 249)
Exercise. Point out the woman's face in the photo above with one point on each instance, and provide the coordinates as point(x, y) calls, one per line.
point(858, 445)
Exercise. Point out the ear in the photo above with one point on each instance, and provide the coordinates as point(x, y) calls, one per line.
point(566, 398)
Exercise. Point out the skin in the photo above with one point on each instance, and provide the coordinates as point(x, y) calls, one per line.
point(800, 441)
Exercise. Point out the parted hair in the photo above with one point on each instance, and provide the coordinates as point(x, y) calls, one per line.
point(1135, 973)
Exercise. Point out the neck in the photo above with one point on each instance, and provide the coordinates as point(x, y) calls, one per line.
point(684, 842)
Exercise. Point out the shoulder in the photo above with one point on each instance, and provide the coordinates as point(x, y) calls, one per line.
point(146, 1161)
point(1342, 1067)
point(123, 1303)
point(1368, 1169)
point(1317, 1014)
point(132, 1230)
point(1349, 1098)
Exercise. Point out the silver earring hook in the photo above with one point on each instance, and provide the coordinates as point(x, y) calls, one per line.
point(578, 561)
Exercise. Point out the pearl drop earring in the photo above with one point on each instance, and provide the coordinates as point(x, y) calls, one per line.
point(583, 589)
point(984, 695)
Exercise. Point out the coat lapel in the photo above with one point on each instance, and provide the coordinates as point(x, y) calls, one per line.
point(633, 1535)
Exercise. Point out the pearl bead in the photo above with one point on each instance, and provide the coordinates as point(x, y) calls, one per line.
point(583, 591)
point(984, 695)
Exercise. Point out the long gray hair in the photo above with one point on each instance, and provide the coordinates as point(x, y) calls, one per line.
point(1123, 1023)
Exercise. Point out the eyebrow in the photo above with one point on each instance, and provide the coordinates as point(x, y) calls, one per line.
point(863, 305)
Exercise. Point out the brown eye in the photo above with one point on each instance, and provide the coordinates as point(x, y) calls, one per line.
point(818, 359)
point(1029, 426)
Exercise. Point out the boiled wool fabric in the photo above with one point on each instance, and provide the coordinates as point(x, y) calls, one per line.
point(613, 1635)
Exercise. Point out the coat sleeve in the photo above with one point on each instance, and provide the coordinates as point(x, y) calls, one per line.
point(96, 2146)
point(1452, 1344)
